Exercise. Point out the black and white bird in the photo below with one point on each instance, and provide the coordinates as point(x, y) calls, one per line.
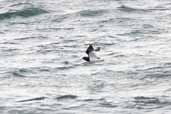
point(91, 53)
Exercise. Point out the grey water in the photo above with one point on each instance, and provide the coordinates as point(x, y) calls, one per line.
point(42, 43)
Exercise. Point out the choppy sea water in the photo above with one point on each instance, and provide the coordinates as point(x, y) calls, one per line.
point(42, 43)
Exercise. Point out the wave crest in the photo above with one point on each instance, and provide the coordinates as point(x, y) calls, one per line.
point(26, 12)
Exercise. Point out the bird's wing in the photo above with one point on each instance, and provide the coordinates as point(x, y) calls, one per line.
point(93, 56)
point(89, 49)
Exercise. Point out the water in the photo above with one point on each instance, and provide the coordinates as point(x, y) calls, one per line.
point(42, 43)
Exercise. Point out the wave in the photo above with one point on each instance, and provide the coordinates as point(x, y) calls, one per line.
point(93, 99)
point(92, 13)
point(26, 12)
point(64, 97)
point(158, 72)
point(82, 13)
point(130, 9)
point(142, 102)
point(20, 72)
point(33, 99)
point(61, 18)
point(146, 100)
point(107, 104)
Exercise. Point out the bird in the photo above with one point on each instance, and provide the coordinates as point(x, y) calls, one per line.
point(91, 53)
